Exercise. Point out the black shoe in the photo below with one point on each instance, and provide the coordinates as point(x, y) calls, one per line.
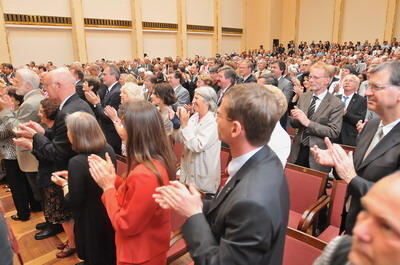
point(49, 231)
point(15, 217)
point(42, 226)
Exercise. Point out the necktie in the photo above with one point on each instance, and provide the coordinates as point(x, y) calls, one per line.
point(345, 98)
point(311, 109)
point(378, 136)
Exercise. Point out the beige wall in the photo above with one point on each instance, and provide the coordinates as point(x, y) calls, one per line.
point(199, 12)
point(200, 44)
point(40, 45)
point(315, 20)
point(111, 45)
point(397, 23)
point(364, 21)
point(159, 11)
point(257, 27)
point(231, 43)
point(107, 9)
point(232, 13)
point(38, 7)
point(159, 44)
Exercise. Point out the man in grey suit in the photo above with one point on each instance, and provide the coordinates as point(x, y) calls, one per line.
point(377, 153)
point(246, 221)
point(318, 114)
point(175, 79)
point(27, 83)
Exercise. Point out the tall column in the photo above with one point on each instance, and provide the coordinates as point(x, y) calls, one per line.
point(137, 29)
point(243, 42)
point(337, 21)
point(217, 36)
point(182, 29)
point(390, 19)
point(78, 31)
point(5, 56)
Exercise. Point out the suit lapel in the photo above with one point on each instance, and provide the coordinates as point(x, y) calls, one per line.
point(366, 139)
point(387, 142)
point(322, 106)
point(352, 102)
point(108, 94)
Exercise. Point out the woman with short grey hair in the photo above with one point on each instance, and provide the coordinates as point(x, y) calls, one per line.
point(200, 162)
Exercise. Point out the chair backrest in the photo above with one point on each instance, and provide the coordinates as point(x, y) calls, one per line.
point(121, 166)
point(337, 202)
point(178, 150)
point(306, 186)
point(225, 156)
point(301, 248)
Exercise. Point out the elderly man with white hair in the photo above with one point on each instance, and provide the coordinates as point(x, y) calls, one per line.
point(27, 84)
point(200, 162)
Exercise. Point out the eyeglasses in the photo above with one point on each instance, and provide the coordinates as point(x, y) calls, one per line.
point(375, 87)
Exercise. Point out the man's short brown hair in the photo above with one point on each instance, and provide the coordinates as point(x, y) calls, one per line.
point(256, 108)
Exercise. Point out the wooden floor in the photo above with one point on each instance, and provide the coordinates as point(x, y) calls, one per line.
point(43, 252)
point(34, 252)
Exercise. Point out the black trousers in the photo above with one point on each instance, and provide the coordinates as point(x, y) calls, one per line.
point(20, 189)
point(303, 158)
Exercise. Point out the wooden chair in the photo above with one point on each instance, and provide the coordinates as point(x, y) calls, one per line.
point(178, 150)
point(225, 157)
point(336, 206)
point(348, 148)
point(121, 165)
point(177, 246)
point(307, 192)
point(301, 248)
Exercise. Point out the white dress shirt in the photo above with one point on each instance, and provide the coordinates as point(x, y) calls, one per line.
point(319, 100)
point(280, 143)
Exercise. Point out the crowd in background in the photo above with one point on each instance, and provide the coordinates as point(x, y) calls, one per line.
point(62, 126)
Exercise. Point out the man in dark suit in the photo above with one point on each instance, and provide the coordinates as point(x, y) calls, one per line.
point(226, 79)
point(355, 108)
point(377, 153)
point(246, 221)
point(78, 76)
point(8, 73)
point(194, 75)
point(245, 72)
point(318, 115)
point(175, 79)
point(111, 98)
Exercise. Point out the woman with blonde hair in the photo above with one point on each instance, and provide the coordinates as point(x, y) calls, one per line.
point(142, 227)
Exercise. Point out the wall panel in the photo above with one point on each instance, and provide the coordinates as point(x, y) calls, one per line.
point(111, 45)
point(107, 9)
point(315, 20)
point(159, 11)
point(364, 20)
point(396, 32)
point(231, 43)
point(38, 7)
point(159, 44)
point(40, 45)
point(199, 44)
point(199, 12)
point(232, 13)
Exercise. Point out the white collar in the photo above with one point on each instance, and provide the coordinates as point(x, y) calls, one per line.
point(65, 100)
point(176, 87)
point(29, 93)
point(109, 88)
point(388, 127)
point(322, 95)
point(236, 163)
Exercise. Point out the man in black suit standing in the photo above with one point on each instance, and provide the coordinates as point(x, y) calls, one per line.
point(78, 76)
point(246, 221)
point(377, 153)
point(245, 72)
point(111, 98)
point(226, 79)
point(355, 108)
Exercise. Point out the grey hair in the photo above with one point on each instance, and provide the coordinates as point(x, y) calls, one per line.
point(62, 74)
point(209, 96)
point(134, 91)
point(393, 68)
point(29, 77)
point(114, 70)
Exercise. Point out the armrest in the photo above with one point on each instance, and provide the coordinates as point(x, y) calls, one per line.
point(177, 247)
point(309, 216)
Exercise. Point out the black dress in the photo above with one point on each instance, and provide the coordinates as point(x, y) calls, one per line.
point(94, 234)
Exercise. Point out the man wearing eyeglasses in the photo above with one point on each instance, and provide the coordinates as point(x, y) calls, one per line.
point(318, 114)
point(377, 153)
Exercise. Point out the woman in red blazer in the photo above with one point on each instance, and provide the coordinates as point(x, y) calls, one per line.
point(142, 227)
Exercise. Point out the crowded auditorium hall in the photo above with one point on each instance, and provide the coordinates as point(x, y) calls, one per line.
point(212, 132)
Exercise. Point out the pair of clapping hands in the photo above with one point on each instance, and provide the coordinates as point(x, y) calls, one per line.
point(25, 132)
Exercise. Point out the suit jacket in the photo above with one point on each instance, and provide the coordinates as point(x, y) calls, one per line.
point(113, 99)
point(58, 149)
point(383, 160)
point(286, 87)
point(325, 122)
point(246, 223)
point(355, 111)
point(142, 227)
point(28, 111)
point(192, 86)
point(220, 97)
point(250, 79)
point(182, 96)
point(79, 90)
